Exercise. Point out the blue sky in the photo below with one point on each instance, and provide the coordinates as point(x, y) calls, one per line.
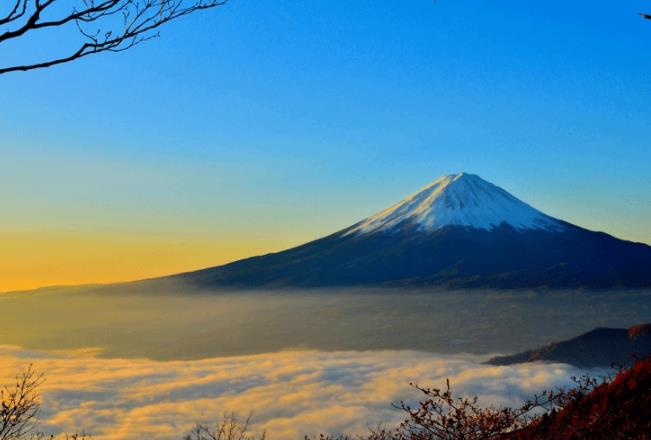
point(283, 121)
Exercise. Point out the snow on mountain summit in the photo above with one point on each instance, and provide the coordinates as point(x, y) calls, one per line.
point(460, 200)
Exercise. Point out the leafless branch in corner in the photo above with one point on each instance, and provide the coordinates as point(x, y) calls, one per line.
point(103, 25)
point(19, 406)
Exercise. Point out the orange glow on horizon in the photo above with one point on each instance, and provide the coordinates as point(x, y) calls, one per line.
point(30, 260)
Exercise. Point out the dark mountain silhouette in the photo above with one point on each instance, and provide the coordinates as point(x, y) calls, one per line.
point(601, 347)
point(460, 231)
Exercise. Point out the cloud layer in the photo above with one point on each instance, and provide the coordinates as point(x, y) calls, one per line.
point(290, 393)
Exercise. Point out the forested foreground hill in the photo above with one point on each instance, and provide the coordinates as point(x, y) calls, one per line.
point(620, 409)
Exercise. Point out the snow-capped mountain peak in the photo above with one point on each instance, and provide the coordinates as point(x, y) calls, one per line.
point(395, 248)
point(458, 200)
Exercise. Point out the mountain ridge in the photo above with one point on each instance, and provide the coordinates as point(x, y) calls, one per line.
point(436, 237)
point(600, 347)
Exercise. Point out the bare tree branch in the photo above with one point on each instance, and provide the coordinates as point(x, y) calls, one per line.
point(103, 25)
point(230, 428)
point(19, 406)
point(20, 6)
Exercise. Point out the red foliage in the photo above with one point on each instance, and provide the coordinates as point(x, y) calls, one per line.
point(620, 409)
point(639, 330)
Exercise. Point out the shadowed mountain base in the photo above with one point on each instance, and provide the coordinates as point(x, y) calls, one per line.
point(601, 347)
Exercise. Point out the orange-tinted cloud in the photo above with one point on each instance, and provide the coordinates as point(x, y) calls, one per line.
point(290, 393)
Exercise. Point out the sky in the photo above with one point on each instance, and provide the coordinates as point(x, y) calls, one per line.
point(262, 125)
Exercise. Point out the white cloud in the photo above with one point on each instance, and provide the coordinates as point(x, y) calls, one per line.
point(290, 393)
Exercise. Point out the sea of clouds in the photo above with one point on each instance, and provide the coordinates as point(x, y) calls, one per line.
point(289, 393)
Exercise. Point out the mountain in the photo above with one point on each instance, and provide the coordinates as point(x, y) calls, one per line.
point(601, 347)
point(458, 200)
point(459, 231)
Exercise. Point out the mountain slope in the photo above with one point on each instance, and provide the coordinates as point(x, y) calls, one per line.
point(615, 410)
point(458, 200)
point(460, 231)
point(601, 347)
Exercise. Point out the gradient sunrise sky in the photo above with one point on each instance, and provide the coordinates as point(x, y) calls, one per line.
point(262, 125)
